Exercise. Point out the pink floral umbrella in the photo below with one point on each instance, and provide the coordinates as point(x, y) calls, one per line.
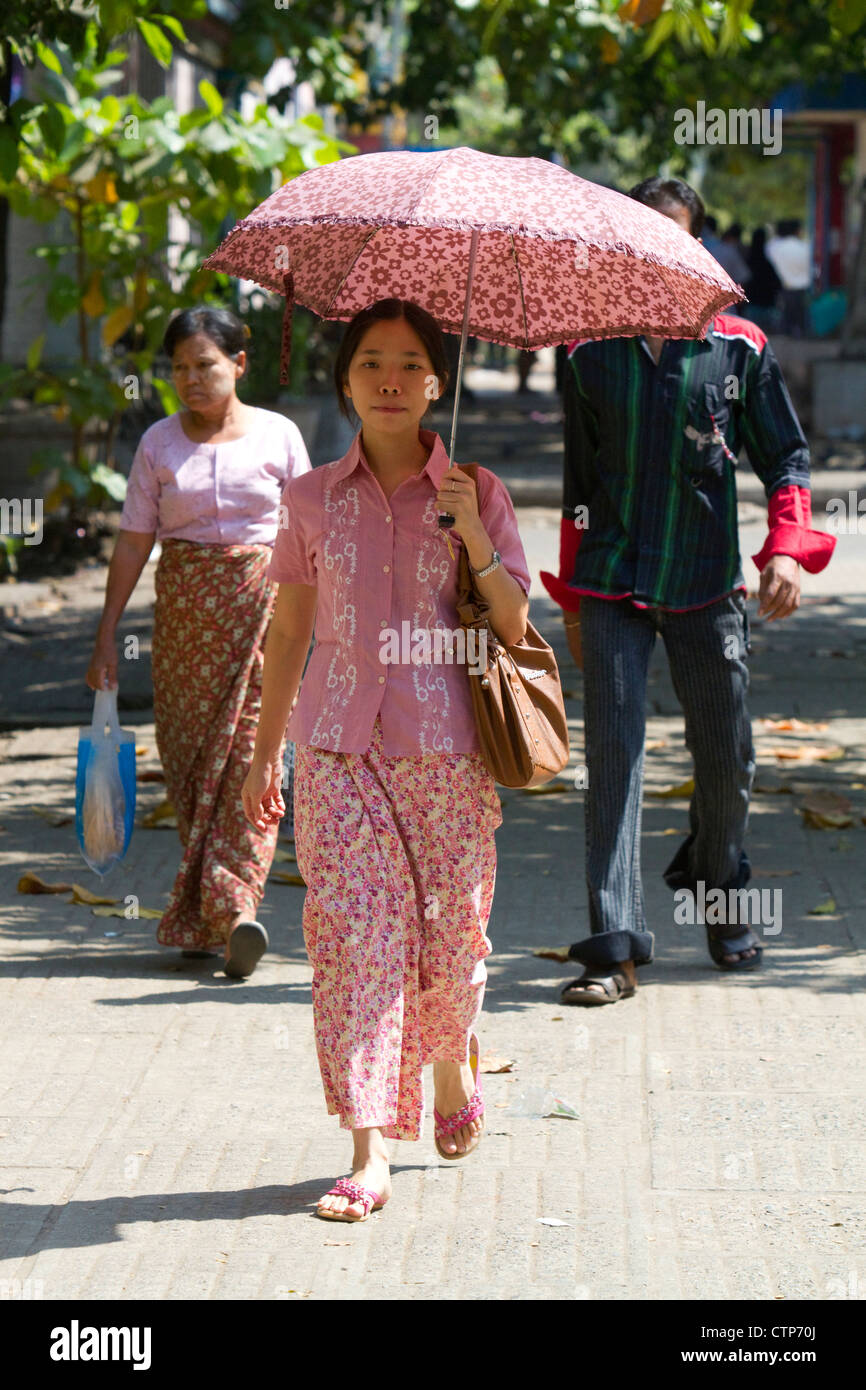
point(514, 251)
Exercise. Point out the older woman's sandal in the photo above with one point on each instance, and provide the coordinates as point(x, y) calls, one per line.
point(616, 986)
point(247, 944)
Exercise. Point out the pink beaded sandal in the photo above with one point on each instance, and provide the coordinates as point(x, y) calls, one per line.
point(345, 1187)
point(472, 1110)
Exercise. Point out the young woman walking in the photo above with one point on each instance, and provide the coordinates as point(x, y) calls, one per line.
point(395, 811)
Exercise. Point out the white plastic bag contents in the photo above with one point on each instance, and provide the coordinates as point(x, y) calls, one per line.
point(105, 791)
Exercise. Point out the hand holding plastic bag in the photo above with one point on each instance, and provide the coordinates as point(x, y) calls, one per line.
point(105, 786)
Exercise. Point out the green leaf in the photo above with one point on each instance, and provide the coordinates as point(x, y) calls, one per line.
point(168, 397)
point(34, 352)
point(211, 97)
point(53, 128)
point(109, 480)
point(191, 119)
point(216, 138)
point(847, 15)
point(156, 41)
point(173, 25)
point(109, 110)
point(704, 33)
point(661, 30)
point(48, 57)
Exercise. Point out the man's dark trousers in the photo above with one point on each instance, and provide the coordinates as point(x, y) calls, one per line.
point(706, 649)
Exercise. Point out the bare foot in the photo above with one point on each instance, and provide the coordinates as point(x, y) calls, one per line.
point(454, 1086)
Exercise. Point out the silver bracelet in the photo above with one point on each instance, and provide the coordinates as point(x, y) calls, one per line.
point(488, 569)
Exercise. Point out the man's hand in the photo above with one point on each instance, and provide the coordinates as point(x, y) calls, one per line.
point(572, 637)
point(779, 590)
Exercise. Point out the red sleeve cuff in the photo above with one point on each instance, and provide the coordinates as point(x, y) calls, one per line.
point(559, 588)
point(789, 518)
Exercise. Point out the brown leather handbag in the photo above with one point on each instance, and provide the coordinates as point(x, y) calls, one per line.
point(517, 701)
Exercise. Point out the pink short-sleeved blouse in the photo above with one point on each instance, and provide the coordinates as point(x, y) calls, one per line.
point(381, 566)
point(215, 494)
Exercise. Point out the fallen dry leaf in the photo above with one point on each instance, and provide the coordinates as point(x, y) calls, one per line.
point(809, 753)
point(121, 912)
point(140, 750)
point(771, 786)
point(282, 877)
point(552, 952)
point(161, 813)
point(653, 743)
point(547, 788)
point(825, 810)
point(84, 895)
point(682, 789)
point(799, 726)
point(32, 883)
point(333, 1242)
point(494, 1065)
point(823, 909)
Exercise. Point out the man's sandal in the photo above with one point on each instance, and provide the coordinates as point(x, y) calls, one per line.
point(472, 1110)
point(616, 986)
point(345, 1187)
point(741, 939)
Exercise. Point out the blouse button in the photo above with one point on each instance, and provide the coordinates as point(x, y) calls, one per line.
point(383, 622)
point(381, 680)
point(387, 518)
point(386, 569)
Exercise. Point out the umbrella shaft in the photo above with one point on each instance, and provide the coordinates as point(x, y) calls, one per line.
point(473, 247)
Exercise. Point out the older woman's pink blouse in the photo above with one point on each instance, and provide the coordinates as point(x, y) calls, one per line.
point(378, 563)
point(215, 494)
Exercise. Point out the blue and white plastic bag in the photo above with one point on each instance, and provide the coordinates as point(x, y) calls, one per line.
point(105, 786)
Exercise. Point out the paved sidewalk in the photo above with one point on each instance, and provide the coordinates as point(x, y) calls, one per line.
point(163, 1132)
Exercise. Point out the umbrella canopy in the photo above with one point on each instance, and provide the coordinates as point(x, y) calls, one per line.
point(557, 257)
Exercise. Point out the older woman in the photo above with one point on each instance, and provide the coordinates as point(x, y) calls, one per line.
point(206, 481)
